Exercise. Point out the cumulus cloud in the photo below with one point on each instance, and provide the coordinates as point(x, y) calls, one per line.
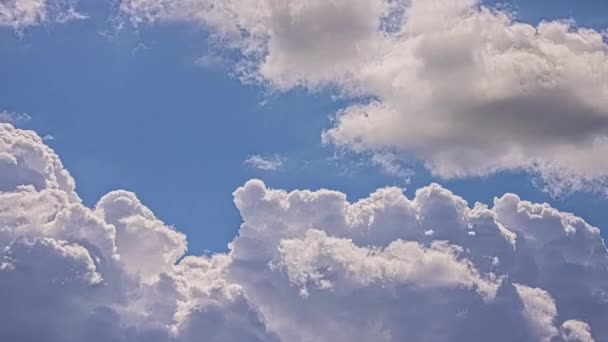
point(389, 268)
point(25, 160)
point(20, 14)
point(111, 273)
point(305, 266)
point(265, 163)
point(463, 87)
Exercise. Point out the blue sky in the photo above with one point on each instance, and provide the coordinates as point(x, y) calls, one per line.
point(131, 109)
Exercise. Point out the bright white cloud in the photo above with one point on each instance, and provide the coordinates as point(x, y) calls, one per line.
point(306, 266)
point(265, 163)
point(462, 87)
point(71, 273)
point(25, 160)
point(370, 271)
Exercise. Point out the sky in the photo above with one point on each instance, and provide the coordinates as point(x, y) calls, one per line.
point(211, 112)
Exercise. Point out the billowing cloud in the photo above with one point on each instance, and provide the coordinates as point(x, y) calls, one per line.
point(305, 266)
point(388, 268)
point(72, 273)
point(20, 14)
point(462, 87)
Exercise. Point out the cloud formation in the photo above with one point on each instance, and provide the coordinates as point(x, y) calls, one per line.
point(306, 266)
point(108, 273)
point(20, 14)
point(463, 87)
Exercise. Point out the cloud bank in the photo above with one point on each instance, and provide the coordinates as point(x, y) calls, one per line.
point(305, 266)
point(460, 86)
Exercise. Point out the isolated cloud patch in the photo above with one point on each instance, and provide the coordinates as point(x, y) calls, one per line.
point(265, 163)
point(306, 266)
point(463, 87)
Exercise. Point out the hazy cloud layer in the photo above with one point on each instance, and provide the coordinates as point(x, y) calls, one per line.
point(464, 88)
point(306, 266)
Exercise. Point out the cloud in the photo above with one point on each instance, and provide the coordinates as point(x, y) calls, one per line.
point(462, 87)
point(305, 266)
point(72, 273)
point(20, 14)
point(265, 163)
point(25, 160)
point(392, 165)
point(370, 271)
point(14, 118)
point(48, 137)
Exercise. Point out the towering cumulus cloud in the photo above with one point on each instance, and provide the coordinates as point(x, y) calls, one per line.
point(460, 86)
point(306, 266)
point(72, 273)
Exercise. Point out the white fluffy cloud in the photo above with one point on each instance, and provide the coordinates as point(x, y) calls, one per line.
point(71, 273)
point(388, 268)
point(306, 266)
point(20, 14)
point(464, 88)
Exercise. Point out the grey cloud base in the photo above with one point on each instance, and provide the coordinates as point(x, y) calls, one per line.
point(306, 266)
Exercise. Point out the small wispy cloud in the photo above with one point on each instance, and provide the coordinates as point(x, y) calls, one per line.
point(48, 137)
point(14, 118)
point(392, 165)
point(265, 163)
point(140, 47)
